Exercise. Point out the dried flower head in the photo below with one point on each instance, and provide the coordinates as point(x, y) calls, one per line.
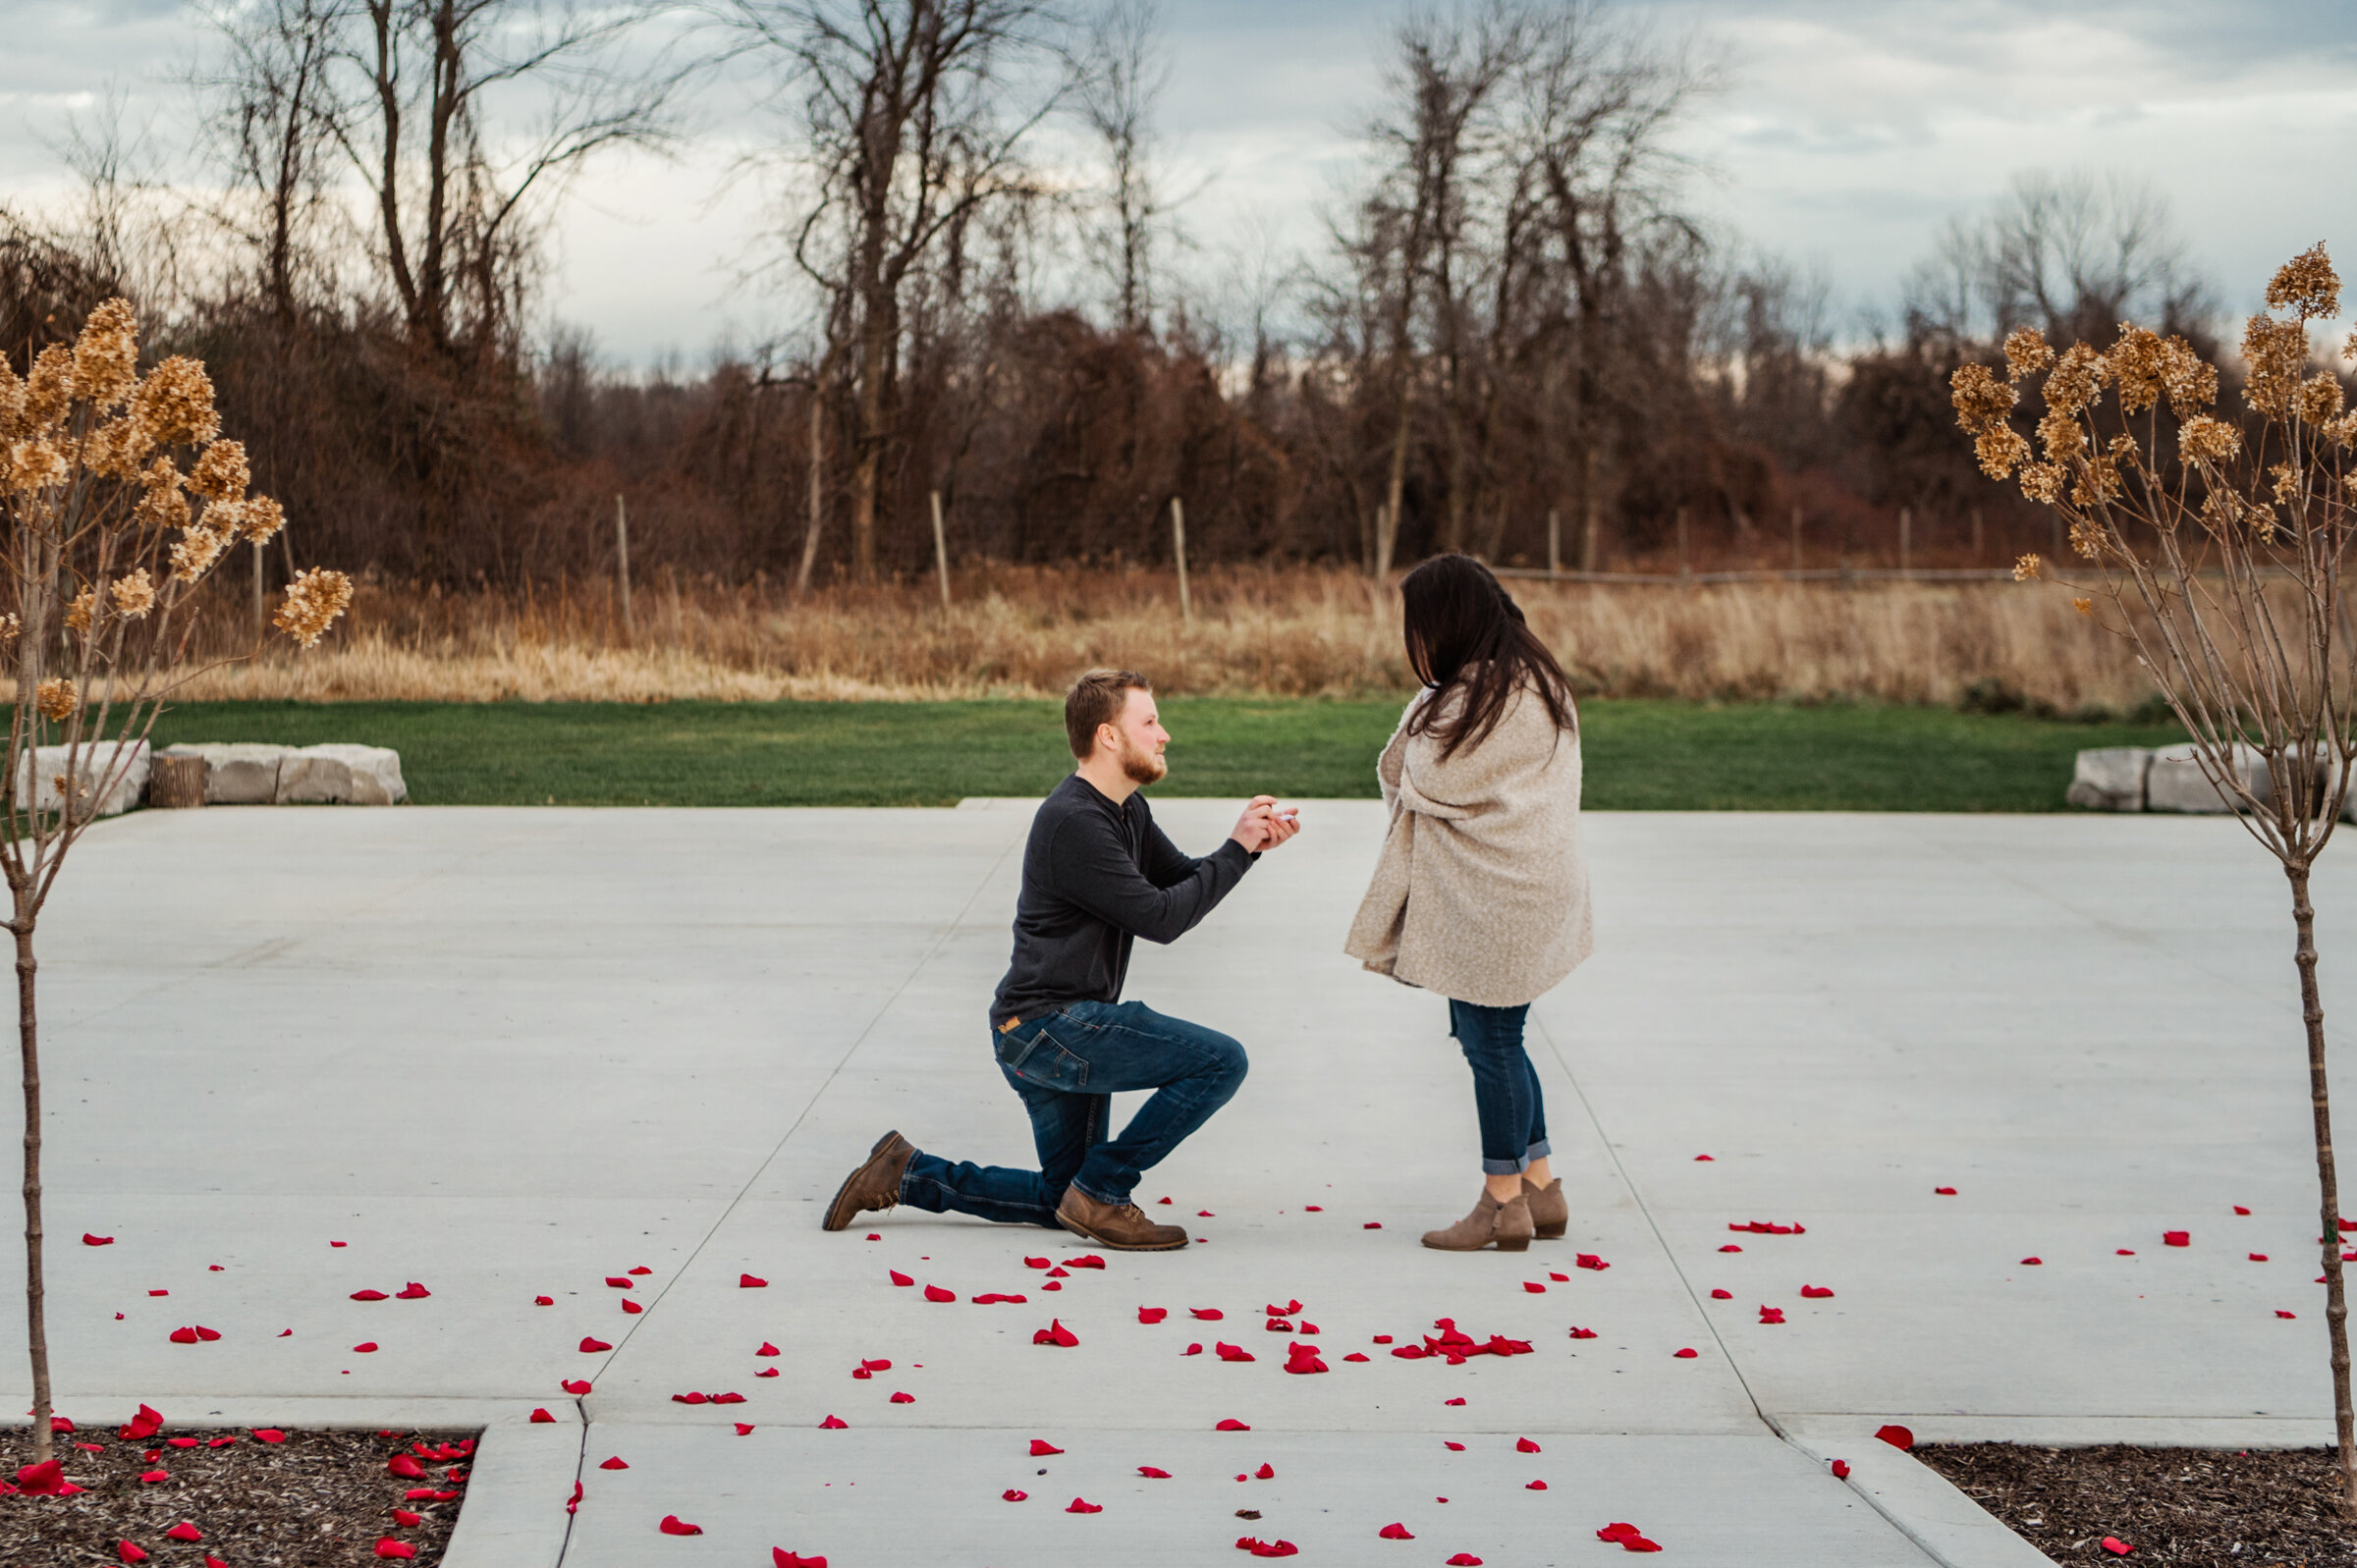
point(221, 473)
point(314, 599)
point(117, 449)
point(2261, 518)
point(2026, 353)
point(2085, 607)
point(134, 594)
point(1982, 402)
point(2087, 539)
point(56, 699)
point(261, 519)
point(2306, 285)
point(196, 549)
point(2099, 481)
point(106, 356)
point(175, 403)
point(2209, 441)
point(2000, 451)
point(2192, 380)
point(2341, 432)
point(2320, 397)
point(33, 466)
point(12, 400)
point(162, 509)
point(2275, 352)
point(2042, 481)
point(77, 613)
point(2139, 366)
point(2287, 481)
point(2064, 439)
point(224, 517)
point(49, 389)
point(2077, 381)
point(2026, 567)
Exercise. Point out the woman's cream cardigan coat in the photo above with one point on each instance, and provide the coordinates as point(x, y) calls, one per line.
point(1481, 893)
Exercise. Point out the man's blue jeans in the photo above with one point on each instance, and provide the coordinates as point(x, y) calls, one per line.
point(1067, 1064)
point(1505, 1086)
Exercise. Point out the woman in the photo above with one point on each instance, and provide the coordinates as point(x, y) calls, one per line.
point(1481, 893)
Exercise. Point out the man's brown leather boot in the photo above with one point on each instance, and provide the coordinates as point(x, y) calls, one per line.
point(1549, 1214)
point(1123, 1226)
point(874, 1185)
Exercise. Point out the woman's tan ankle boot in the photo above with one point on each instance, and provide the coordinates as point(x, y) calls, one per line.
point(1549, 1214)
point(1505, 1225)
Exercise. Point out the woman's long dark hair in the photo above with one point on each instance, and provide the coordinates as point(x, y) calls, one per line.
point(1463, 629)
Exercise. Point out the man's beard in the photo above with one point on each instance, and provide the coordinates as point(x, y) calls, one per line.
point(1141, 766)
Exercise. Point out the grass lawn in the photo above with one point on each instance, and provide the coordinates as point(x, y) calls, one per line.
point(1640, 755)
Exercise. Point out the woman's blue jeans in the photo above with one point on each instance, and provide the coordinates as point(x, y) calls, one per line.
point(1066, 1065)
point(1505, 1086)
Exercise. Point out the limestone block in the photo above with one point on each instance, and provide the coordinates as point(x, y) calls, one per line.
point(2110, 778)
point(344, 775)
point(2176, 782)
point(239, 773)
point(47, 764)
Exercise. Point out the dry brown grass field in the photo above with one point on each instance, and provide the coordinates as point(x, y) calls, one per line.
point(1295, 632)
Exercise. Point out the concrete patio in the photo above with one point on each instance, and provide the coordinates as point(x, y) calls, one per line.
point(509, 1053)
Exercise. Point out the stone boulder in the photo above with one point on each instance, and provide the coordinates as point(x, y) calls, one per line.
point(236, 773)
point(46, 765)
point(342, 775)
point(2110, 778)
point(2176, 783)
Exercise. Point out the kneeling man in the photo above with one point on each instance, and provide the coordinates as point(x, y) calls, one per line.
point(1097, 874)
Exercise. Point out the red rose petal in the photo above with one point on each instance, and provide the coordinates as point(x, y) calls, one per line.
point(369, 1295)
point(183, 1530)
point(2176, 1238)
point(1013, 1495)
point(900, 1278)
point(1944, 1192)
point(832, 1424)
point(1207, 1313)
point(1267, 1472)
point(1723, 1295)
point(544, 1301)
point(407, 1520)
point(642, 1269)
point(1458, 1400)
point(1372, 1224)
point(674, 1525)
point(2258, 1256)
point(1152, 1314)
point(1731, 1247)
point(751, 1282)
point(1816, 1292)
point(575, 1386)
point(1227, 1352)
point(154, 1476)
point(2032, 1262)
point(771, 1372)
point(1840, 1469)
point(1588, 1259)
point(90, 1240)
point(413, 1292)
point(1583, 1333)
point(268, 1434)
point(1081, 1505)
point(615, 1463)
point(1536, 1486)
point(540, 1417)
point(1355, 1356)
point(1041, 1448)
point(2281, 1313)
point(404, 1467)
point(1231, 1425)
point(1395, 1532)
point(1523, 1445)
point(591, 1345)
point(1087, 1260)
point(1687, 1354)
point(691, 1399)
point(1453, 1447)
point(630, 1306)
point(904, 1399)
point(744, 1428)
point(1464, 1560)
point(621, 1281)
point(1192, 1350)
point(1895, 1435)
point(1534, 1287)
point(208, 1335)
point(2115, 1546)
point(768, 1349)
point(936, 1293)
point(1056, 1334)
point(130, 1552)
point(2240, 1209)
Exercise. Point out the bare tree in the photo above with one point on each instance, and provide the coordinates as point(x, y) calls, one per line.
point(272, 120)
point(2221, 549)
point(904, 127)
point(1123, 69)
point(452, 204)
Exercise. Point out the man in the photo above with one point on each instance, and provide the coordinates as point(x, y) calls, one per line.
point(1097, 874)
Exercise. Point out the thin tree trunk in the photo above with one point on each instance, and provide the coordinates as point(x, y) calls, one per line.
point(818, 491)
point(36, 1335)
point(2336, 1303)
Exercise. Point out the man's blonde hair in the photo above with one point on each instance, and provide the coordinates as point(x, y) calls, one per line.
point(1097, 698)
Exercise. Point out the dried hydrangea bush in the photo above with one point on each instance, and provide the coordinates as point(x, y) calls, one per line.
point(2218, 547)
point(118, 497)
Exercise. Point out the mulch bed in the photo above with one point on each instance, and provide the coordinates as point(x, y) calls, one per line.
point(319, 1499)
point(2265, 1508)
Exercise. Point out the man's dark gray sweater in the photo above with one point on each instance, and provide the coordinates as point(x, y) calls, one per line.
point(1095, 876)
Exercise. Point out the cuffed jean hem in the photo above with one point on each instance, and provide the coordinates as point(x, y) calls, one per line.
point(937, 1198)
point(1512, 1168)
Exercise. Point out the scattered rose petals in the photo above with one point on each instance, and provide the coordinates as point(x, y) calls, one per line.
point(2281, 1313)
point(1723, 1295)
point(621, 1281)
point(412, 1291)
point(544, 1301)
point(90, 1240)
point(900, 1278)
point(1731, 1247)
point(1056, 1334)
point(1152, 1314)
point(2032, 1262)
point(2240, 1209)
point(1013, 1495)
point(2176, 1238)
point(1227, 1352)
point(1081, 1505)
point(183, 1530)
point(832, 1424)
point(1840, 1469)
point(44, 1480)
point(615, 1463)
point(1041, 1448)
point(1816, 1292)
point(591, 1346)
point(407, 1520)
point(1895, 1435)
point(1372, 1224)
point(1536, 1486)
point(1534, 1287)
point(387, 1547)
point(575, 1386)
point(751, 1282)
point(268, 1434)
point(904, 1399)
point(1464, 1560)
point(1278, 1325)
point(1267, 1549)
point(404, 1467)
point(744, 1428)
point(1583, 1333)
point(1588, 1259)
point(1687, 1354)
point(1231, 1425)
point(1523, 1445)
point(1152, 1473)
point(1458, 1400)
point(1395, 1532)
point(990, 1298)
point(674, 1525)
point(154, 1476)
point(2115, 1546)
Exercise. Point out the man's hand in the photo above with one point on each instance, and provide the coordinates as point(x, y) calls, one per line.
point(1263, 826)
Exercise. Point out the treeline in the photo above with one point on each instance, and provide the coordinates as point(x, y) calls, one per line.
point(1518, 336)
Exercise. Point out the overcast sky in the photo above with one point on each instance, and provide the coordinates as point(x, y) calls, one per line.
point(1851, 129)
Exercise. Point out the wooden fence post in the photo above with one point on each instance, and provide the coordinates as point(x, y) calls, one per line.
point(1186, 607)
point(1977, 552)
point(1795, 536)
point(1906, 540)
point(941, 551)
point(1684, 566)
point(1555, 541)
point(622, 562)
